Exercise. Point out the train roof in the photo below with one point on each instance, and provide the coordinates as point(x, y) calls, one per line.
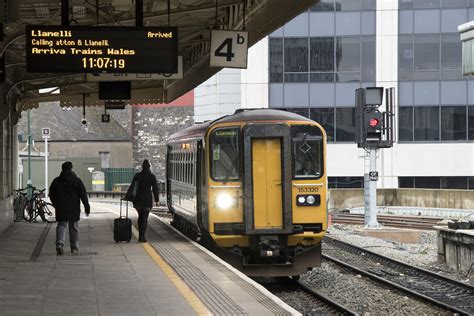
point(251, 115)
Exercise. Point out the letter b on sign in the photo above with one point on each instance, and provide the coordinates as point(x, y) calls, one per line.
point(229, 49)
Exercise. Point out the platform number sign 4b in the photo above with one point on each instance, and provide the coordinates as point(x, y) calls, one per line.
point(229, 49)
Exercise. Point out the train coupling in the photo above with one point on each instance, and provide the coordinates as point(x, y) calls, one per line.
point(269, 246)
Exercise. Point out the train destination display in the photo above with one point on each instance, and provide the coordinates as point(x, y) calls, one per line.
point(98, 49)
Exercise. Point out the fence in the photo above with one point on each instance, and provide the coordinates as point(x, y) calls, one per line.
point(117, 175)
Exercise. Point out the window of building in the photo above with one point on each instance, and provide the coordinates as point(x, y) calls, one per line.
point(426, 4)
point(325, 117)
point(368, 58)
point(104, 159)
point(428, 182)
point(296, 54)
point(406, 182)
point(348, 58)
point(345, 124)
point(470, 129)
point(429, 57)
point(345, 182)
point(426, 61)
point(459, 183)
point(342, 59)
point(322, 54)
point(453, 183)
point(405, 57)
point(276, 60)
point(405, 124)
point(324, 6)
point(451, 56)
point(426, 123)
point(453, 4)
point(453, 123)
point(300, 111)
point(440, 123)
point(345, 5)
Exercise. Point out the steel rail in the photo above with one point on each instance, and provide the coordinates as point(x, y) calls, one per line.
point(405, 267)
point(335, 305)
point(308, 300)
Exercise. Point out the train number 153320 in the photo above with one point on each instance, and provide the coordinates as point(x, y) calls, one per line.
point(308, 189)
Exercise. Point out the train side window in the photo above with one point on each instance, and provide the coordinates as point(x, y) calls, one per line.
point(225, 162)
point(307, 152)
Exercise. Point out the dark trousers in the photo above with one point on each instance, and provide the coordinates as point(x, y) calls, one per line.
point(142, 222)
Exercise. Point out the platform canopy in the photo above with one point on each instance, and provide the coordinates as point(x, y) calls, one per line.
point(194, 19)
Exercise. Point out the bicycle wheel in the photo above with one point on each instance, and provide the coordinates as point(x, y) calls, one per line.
point(29, 212)
point(46, 213)
point(16, 208)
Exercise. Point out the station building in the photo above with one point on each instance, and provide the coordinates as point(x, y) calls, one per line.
point(313, 64)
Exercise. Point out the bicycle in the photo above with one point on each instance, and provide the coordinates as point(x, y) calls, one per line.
point(19, 203)
point(36, 206)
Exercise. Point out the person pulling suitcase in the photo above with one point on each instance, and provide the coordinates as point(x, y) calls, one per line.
point(140, 193)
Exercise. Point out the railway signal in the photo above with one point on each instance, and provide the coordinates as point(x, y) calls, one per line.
point(374, 130)
point(373, 126)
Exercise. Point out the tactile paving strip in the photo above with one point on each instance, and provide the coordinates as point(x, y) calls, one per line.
point(80, 254)
point(247, 287)
point(216, 300)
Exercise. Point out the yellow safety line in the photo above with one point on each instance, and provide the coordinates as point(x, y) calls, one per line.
point(187, 293)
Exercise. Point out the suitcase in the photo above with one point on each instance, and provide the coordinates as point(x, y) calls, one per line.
point(123, 226)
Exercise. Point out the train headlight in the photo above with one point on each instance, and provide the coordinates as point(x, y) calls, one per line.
point(224, 201)
point(308, 200)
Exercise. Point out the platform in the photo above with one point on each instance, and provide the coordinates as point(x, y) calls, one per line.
point(456, 249)
point(168, 275)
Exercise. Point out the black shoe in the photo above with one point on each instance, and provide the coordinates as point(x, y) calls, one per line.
point(74, 249)
point(59, 251)
point(142, 240)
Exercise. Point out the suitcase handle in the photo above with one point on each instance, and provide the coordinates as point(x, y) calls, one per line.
point(126, 207)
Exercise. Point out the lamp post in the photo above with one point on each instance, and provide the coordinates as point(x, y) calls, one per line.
point(45, 134)
point(29, 183)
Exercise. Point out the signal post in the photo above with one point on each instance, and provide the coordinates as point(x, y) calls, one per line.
point(374, 130)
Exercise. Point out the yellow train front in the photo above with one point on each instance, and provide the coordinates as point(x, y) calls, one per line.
point(252, 187)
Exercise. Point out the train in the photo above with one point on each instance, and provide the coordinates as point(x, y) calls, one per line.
point(252, 187)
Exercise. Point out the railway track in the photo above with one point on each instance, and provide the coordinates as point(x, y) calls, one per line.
point(388, 220)
point(436, 289)
point(304, 299)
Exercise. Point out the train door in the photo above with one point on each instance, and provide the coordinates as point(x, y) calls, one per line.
point(266, 173)
point(267, 155)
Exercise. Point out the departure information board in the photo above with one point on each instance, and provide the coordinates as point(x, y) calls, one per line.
point(99, 49)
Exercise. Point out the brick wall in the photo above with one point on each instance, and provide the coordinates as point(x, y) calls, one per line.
point(151, 125)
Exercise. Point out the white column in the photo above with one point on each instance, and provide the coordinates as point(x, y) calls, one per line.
point(46, 154)
point(371, 217)
point(387, 77)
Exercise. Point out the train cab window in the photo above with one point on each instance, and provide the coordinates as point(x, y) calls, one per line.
point(307, 152)
point(225, 165)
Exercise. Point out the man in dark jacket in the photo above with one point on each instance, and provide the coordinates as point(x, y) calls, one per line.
point(142, 201)
point(66, 193)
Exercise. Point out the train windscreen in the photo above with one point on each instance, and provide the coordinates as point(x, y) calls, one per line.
point(307, 143)
point(225, 164)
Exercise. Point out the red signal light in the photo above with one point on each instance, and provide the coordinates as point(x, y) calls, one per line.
point(373, 122)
